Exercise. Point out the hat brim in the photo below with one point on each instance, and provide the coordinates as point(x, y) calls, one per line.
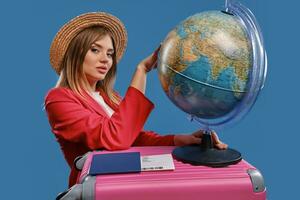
point(65, 35)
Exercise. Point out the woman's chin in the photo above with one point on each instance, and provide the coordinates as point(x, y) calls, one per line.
point(96, 78)
point(101, 77)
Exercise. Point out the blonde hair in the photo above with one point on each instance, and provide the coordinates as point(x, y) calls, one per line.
point(72, 75)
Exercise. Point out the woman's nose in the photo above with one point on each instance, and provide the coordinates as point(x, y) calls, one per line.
point(104, 57)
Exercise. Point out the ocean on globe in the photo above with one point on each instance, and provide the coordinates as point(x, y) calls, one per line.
point(204, 64)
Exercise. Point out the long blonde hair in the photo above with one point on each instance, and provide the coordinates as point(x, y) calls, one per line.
point(72, 75)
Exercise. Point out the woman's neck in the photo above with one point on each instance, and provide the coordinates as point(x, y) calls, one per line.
point(92, 85)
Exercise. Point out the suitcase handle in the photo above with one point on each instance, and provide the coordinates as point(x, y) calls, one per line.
point(257, 180)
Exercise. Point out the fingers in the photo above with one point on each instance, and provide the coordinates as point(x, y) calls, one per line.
point(150, 62)
point(197, 140)
point(221, 146)
point(215, 137)
point(198, 133)
point(183, 140)
point(155, 65)
point(154, 57)
point(217, 142)
point(157, 50)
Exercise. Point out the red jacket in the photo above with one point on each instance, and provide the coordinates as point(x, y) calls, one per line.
point(82, 125)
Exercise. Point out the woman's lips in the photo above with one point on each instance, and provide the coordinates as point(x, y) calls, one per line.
point(102, 70)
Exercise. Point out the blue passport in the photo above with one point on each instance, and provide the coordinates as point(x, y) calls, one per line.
point(114, 163)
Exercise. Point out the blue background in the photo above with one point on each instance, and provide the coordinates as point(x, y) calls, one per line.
point(32, 165)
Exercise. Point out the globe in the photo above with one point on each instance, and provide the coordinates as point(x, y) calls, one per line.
point(204, 64)
point(212, 66)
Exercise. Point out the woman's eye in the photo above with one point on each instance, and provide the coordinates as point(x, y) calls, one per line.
point(94, 50)
point(110, 55)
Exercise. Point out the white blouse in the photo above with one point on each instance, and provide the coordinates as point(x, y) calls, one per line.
point(100, 100)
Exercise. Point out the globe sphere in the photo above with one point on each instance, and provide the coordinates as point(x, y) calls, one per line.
point(205, 65)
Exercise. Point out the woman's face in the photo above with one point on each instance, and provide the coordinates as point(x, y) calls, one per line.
point(98, 60)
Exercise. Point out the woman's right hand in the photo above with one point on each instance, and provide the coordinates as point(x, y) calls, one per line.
point(196, 138)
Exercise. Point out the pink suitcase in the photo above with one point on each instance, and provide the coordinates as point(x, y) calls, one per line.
point(241, 181)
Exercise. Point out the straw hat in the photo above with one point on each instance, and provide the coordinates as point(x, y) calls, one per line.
point(65, 35)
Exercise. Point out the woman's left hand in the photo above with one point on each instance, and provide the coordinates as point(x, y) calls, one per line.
point(140, 76)
point(196, 138)
point(150, 62)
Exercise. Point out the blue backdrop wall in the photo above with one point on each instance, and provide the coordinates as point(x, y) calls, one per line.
point(32, 166)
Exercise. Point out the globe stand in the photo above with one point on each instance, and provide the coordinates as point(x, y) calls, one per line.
point(206, 154)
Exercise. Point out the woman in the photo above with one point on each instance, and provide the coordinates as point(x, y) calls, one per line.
point(84, 111)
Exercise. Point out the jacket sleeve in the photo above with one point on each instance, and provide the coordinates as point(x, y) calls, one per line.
point(150, 138)
point(72, 122)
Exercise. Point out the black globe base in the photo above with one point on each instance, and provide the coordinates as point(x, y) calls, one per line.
point(196, 155)
point(205, 154)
